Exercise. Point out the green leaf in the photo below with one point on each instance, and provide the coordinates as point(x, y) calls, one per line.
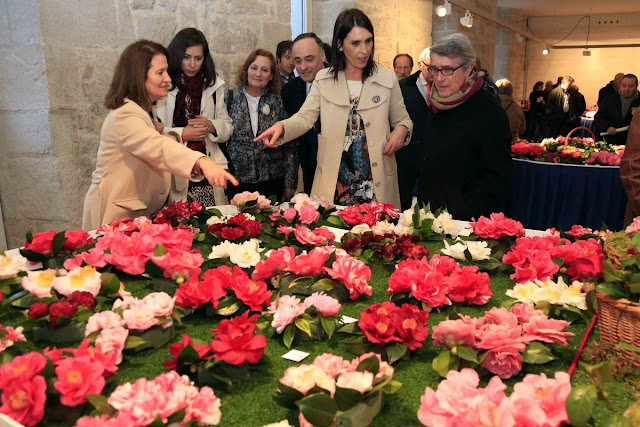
point(159, 250)
point(580, 404)
point(29, 235)
point(466, 353)
point(537, 354)
point(356, 346)
point(99, 402)
point(228, 306)
point(58, 242)
point(329, 325)
point(303, 325)
point(614, 291)
point(350, 328)
point(347, 398)
point(627, 346)
point(287, 337)
point(324, 285)
point(393, 387)
point(445, 362)
point(371, 364)
point(319, 409)
point(396, 352)
point(152, 269)
point(189, 354)
point(507, 303)
point(110, 283)
point(133, 342)
point(337, 221)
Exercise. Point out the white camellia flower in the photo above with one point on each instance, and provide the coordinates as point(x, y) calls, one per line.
point(382, 227)
point(401, 230)
point(479, 251)
point(221, 251)
point(215, 220)
point(444, 224)
point(266, 109)
point(406, 217)
point(524, 292)
point(11, 266)
point(246, 254)
point(552, 292)
point(360, 229)
point(455, 251)
point(80, 279)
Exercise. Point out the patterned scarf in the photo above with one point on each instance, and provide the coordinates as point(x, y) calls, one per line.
point(188, 105)
point(471, 85)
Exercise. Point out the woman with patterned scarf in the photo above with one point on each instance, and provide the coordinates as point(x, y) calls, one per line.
point(196, 111)
point(466, 162)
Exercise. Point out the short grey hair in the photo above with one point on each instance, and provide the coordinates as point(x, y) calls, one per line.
point(424, 55)
point(455, 45)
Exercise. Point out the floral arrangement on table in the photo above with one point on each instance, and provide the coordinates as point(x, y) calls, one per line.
point(438, 282)
point(134, 324)
point(621, 265)
point(12, 270)
point(125, 225)
point(51, 248)
point(244, 255)
point(234, 347)
point(304, 237)
point(34, 385)
point(303, 210)
point(430, 225)
point(157, 249)
point(574, 151)
point(536, 401)
point(314, 319)
point(550, 293)
point(525, 104)
point(333, 390)
point(184, 214)
point(236, 228)
point(323, 269)
point(365, 213)
point(167, 399)
point(227, 289)
point(475, 253)
point(384, 243)
point(389, 330)
point(8, 337)
point(590, 111)
point(255, 204)
point(500, 341)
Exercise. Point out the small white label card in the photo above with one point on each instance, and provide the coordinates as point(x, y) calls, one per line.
point(295, 355)
point(345, 320)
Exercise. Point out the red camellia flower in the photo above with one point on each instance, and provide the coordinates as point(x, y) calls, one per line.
point(496, 226)
point(377, 325)
point(235, 342)
point(203, 351)
point(274, 264)
point(311, 264)
point(231, 233)
point(21, 368)
point(77, 377)
point(252, 293)
point(24, 401)
point(351, 215)
point(38, 310)
point(411, 325)
point(61, 308)
point(76, 239)
point(468, 285)
point(83, 298)
point(41, 243)
point(252, 228)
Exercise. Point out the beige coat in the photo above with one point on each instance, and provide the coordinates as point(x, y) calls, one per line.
point(214, 111)
point(517, 122)
point(133, 169)
point(381, 104)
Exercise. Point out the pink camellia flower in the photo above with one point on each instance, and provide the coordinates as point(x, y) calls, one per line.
point(160, 303)
point(501, 316)
point(41, 243)
point(433, 289)
point(577, 231)
point(81, 279)
point(319, 236)
point(276, 263)
point(302, 199)
point(325, 304)
point(309, 214)
point(289, 214)
point(304, 377)
point(634, 227)
point(503, 361)
point(285, 310)
point(23, 401)
point(332, 364)
point(310, 264)
point(39, 283)
point(496, 226)
point(21, 368)
point(10, 336)
point(353, 273)
point(325, 233)
point(204, 408)
point(541, 328)
point(385, 370)
point(77, 377)
point(360, 381)
point(76, 239)
point(286, 230)
point(139, 318)
point(470, 286)
point(113, 340)
point(180, 263)
point(451, 333)
point(540, 267)
point(408, 273)
point(103, 320)
point(546, 394)
point(491, 336)
point(524, 312)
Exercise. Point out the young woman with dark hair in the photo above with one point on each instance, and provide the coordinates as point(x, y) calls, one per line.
point(357, 102)
point(194, 108)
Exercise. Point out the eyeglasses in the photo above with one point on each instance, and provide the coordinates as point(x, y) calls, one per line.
point(444, 71)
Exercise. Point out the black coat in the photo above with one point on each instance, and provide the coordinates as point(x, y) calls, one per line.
point(577, 103)
point(467, 163)
point(537, 107)
point(610, 114)
point(605, 92)
point(417, 109)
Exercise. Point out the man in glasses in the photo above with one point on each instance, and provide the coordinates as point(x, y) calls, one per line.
point(415, 92)
point(466, 163)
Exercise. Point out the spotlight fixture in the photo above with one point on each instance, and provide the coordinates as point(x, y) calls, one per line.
point(444, 9)
point(467, 19)
point(545, 51)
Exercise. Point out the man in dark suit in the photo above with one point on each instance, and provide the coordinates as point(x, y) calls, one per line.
point(610, 89)
point(414, 90)
point(558, 109)
point(308, 57)
point(616, 111)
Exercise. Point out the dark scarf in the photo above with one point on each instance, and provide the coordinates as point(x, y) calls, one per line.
point(188, 105)
point(471, 85)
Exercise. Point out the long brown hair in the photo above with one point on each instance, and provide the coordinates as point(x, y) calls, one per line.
point(243, 70)
point(131, 74)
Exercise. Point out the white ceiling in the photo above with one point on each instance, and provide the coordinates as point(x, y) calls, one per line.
point(570, 7)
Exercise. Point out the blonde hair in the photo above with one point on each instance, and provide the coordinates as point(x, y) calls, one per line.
point(505, 86)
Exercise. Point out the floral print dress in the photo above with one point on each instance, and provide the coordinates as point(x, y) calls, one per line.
point(355, 182)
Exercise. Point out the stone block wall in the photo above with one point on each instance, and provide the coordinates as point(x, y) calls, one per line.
point(57, 62)
point(511, 53)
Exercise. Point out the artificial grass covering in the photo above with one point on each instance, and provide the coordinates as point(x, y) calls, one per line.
point(249, 403)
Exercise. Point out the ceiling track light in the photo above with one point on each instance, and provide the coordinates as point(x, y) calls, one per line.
point(444, 9)
point(546, 50)
point(467, 19)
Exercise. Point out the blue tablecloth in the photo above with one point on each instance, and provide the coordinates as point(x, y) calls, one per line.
point(544, 195)
point(582, 133)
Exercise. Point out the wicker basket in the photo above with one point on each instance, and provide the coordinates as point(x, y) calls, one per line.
point(619, 321)
point(578, 128)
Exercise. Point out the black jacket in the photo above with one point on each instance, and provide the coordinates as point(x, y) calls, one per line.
point(605, 92)
point(417, 109)
point(577, 103)
point(610, 114)
point(537, 107)
point(467, 163)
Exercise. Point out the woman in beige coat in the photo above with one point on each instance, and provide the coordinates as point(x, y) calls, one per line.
point(356, 165)
point(135, 161)
point(517, 122)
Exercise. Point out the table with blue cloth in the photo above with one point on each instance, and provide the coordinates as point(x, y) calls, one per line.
point(583, 133)
point(544, 195)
